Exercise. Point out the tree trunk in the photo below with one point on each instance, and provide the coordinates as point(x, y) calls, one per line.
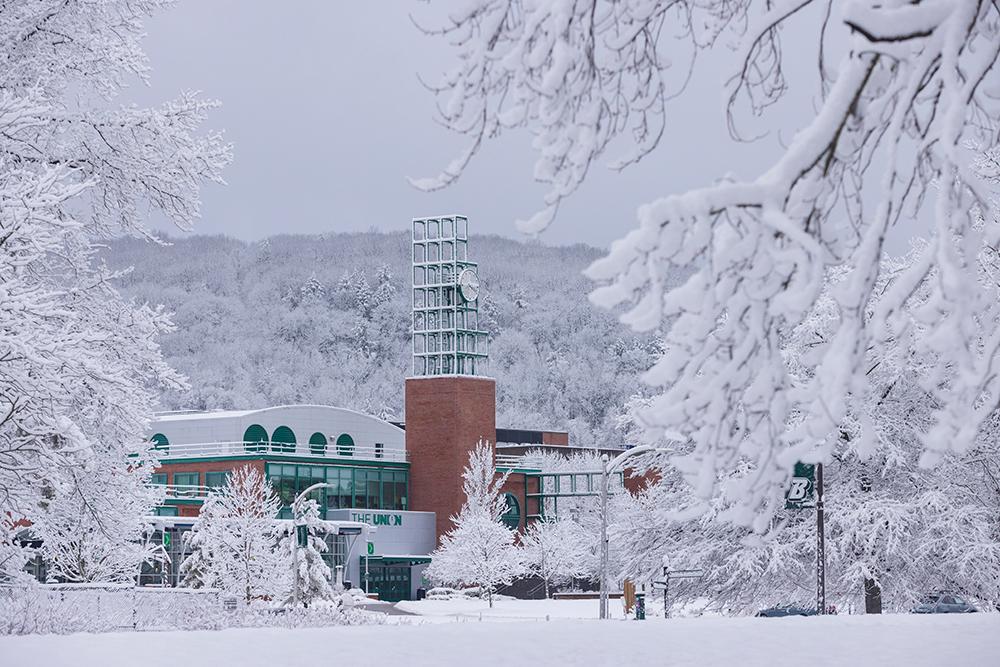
point(546, 589)
point(873, 597)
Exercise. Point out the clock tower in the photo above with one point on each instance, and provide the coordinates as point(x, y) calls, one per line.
point(450, 403)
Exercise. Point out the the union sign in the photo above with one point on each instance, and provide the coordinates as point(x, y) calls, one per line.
point(378, 518)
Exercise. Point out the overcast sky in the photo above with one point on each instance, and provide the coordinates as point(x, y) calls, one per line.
point(323, 105)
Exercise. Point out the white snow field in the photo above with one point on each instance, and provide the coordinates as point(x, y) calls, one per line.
point(889, 640)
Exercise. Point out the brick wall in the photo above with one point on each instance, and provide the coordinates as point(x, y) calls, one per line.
point(445, 418)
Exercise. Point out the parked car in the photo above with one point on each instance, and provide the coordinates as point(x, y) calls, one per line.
point(786, 610)
point(943, 603)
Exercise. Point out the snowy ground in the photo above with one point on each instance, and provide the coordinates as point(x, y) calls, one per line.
point(915, 641)
point(523, 610)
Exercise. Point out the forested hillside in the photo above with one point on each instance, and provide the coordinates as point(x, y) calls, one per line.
point(325, 319)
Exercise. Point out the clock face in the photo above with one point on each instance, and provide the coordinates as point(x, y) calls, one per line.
point(468, 285)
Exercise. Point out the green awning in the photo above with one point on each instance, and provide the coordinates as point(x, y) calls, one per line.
point(409, 560)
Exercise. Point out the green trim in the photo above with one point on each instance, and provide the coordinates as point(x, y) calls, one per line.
point(414, 560)
point(268, 457)
point(183, 501)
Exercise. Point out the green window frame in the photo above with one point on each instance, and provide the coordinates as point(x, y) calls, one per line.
point(512, 515)
point(165, 510)
point(352, 487)
point(345, 445)
point(186, 479)
point(255, 439)
point(158, 478)
point(216, 479)
point(317, 444)
point(160, 442)
point(283, 440)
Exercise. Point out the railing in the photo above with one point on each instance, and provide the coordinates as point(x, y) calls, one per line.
point(178, 491)
point(241, 448)
point(520, 461)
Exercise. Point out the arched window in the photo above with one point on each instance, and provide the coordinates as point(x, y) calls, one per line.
point(345, 445)
point(317, 444)
point(283, 440)
point(255, 439)
point(512, 515)
point(160, 442)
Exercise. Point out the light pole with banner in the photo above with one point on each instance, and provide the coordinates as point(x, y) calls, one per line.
point(806, 492)
point(295, 538)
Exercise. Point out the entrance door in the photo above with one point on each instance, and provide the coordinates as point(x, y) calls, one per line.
point(391, 582)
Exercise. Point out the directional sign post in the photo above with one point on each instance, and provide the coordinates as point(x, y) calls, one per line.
point(669, 575)
point(806, 492)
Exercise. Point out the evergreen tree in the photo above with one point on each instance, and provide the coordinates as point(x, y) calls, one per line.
point(313, 572)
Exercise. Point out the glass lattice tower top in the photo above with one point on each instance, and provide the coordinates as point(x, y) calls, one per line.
point(446, 335)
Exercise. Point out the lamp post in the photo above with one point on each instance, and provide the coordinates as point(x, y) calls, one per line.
point(295, 538)
point(607, 468)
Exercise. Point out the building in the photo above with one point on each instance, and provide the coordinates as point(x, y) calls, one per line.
point(405, 479)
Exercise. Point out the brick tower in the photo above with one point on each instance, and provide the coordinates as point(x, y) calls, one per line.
point(445, 418)
point(450, 405)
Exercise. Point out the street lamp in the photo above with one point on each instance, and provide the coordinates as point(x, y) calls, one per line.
point(295, 537)
point(607, 468)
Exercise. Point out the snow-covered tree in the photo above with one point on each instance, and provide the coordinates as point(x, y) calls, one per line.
point(479, 549)
point(91, 522)
point(557, 550)
point(893, 528)
point(235, 539)
point(885, 142)
point(81, 366)
point(314, 573)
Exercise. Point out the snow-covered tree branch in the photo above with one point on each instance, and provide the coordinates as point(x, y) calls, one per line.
point(887, 145)
point(81, 367)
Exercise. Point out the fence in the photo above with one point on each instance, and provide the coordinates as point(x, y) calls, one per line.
point(66, 608)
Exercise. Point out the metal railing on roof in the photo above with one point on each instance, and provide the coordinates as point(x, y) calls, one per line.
point(181, 491)
point(304, 449)
point(519, 461)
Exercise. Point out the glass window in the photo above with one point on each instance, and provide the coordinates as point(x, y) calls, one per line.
point(160, 442)
point(418, 231)
point(214, 480)
point(512, 516)
point(433, 252)
point(255, 439)
point(379, 448)
point(165, 511)
point(447, 228)
point(158, 478)
point(418, 253)
point(432, 229)
point(317, 444)
point(418, 275)
point(345, 445)
point(186, 479)
point(283, 440)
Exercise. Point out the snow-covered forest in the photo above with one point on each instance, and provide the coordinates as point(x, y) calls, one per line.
point(305, 319)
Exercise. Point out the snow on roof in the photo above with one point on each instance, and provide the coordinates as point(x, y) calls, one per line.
point(187, 415)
